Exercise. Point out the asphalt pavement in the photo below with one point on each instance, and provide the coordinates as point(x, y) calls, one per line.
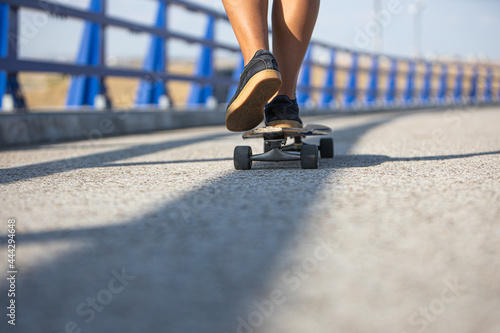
point(400, 232)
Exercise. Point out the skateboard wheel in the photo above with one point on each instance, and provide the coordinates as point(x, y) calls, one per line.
point(326, 148)
point(309, 157)
point(242, 158)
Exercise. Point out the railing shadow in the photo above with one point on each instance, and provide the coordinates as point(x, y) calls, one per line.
point(363, 161)
point(11, 175)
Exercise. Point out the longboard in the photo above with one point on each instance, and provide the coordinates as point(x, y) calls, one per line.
point(276, 149)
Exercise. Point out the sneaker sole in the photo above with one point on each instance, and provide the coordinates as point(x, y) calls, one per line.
point(247, 110)
point(285, 124)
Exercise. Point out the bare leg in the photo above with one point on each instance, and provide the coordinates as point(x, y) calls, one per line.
point(249, 21)
point(293, 24)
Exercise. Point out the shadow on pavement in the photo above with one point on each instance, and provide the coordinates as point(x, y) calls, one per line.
point(339, 162)
point(198, 263)
point(11, 175)
point(362, 161)
point(170, 162)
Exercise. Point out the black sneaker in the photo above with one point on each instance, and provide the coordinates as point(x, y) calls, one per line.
point(283, 112)
point(259, 81)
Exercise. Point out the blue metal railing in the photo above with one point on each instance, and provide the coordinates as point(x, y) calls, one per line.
point(89, 71)
point(400, 82)
point(350, 79)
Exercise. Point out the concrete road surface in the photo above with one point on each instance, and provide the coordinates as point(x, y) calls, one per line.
point(158, 233)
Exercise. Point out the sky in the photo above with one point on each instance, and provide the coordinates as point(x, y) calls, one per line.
point(465, 29)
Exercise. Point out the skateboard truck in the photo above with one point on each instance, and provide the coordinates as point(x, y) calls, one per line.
point(275, 152)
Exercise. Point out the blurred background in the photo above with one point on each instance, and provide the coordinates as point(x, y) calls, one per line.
point(443, 30)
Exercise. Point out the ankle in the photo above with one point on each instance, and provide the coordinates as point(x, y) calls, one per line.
point(284, 96)
point(287, 93)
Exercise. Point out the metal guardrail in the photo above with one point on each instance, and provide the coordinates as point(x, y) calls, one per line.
point(396, 82)
point(350, 80)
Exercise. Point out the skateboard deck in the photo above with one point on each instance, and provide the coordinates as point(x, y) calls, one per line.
point(307, 130)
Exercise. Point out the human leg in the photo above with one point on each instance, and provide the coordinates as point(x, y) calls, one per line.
point(293, 24)
point(249, 21)
point(260, 79)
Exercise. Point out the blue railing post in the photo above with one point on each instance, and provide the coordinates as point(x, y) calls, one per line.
point(391, 94)
point(498, 88)
point(304, 82)
point(4, 38)
point(372, 91)
point(443, 84)
point(410, 82)
point(427, 84)
point(457, 93)
point(149, 92)
point(238, 68)
point(473, 84)
point(351, 89)
point(488, 85)
point(9, 36)
point(83, 89)
point(201, 92)
point(329, 92)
